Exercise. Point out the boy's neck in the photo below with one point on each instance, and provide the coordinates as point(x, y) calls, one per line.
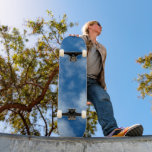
point(93, 37)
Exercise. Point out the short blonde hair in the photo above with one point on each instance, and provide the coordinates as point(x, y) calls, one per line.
point(85, 30)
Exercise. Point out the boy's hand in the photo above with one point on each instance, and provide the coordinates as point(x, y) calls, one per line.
point(77, 35)
point(89, 103)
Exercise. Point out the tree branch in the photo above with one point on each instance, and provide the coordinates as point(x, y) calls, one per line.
point(52, 128)
point(36, 101)
point(25, 123)
point(49, 45)
point(46, 127)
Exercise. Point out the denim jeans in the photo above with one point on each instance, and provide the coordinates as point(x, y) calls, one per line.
point(101, 101)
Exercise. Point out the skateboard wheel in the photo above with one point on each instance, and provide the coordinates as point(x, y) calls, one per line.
point(84, 53)
point(61, 53)
point(83, 114)
point(59, 114)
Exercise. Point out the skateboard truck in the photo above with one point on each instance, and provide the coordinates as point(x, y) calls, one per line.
point(73, 55)
point(71, 114)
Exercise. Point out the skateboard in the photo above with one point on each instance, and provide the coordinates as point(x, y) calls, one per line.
point(72, 93)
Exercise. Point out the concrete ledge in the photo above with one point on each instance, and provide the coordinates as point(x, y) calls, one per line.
point(19, 143)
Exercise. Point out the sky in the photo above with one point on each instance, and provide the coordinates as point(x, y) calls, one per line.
point(127, 35)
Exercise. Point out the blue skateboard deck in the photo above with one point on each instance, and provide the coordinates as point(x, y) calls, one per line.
point(72, 95)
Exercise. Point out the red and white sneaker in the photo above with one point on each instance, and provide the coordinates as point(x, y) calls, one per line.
point(135, 130)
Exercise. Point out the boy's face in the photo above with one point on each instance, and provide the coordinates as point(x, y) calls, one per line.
point(96, 27)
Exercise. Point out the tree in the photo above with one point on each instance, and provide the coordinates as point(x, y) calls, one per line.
point(29, 76)
point(145, 80)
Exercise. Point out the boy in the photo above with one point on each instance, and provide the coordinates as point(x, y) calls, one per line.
point(96, 86)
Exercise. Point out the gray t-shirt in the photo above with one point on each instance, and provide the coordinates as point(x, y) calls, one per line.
point(94, 63)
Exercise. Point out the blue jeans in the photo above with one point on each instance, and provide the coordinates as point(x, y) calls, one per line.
point(101, 101)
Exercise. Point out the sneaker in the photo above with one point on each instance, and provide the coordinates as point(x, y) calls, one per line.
point(135, 130)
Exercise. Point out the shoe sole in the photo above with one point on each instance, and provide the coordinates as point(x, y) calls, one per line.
point(136, 130)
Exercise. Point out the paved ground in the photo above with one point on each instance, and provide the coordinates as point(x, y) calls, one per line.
point(19, 143)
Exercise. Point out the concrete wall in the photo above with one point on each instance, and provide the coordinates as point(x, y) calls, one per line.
point(18, 143)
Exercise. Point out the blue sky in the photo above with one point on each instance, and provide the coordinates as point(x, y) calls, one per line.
point(127, 35)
